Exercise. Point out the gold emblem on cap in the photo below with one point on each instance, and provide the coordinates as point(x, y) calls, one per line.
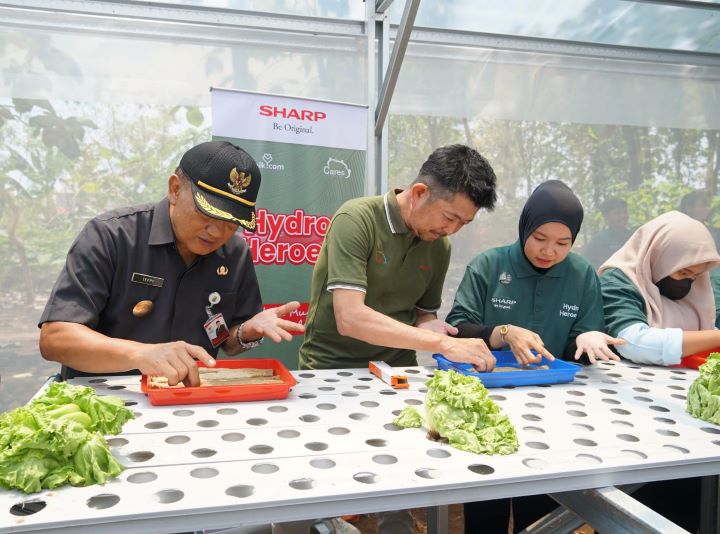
point(142, 308)
point(222, 270)
point(239, 181)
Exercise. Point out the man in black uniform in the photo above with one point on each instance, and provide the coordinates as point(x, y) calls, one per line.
point(144, 287)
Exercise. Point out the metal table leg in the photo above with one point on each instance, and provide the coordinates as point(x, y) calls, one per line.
point(437, 520)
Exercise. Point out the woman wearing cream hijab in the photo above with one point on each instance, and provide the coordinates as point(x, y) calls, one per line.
point(657, 294)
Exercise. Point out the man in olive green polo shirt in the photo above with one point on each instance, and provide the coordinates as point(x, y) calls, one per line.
point(377, 284)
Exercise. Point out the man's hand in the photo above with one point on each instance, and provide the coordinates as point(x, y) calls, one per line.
point(469, 350)
point(269, 323)
point(439, 326)
point(595, 344)
point(174, 360)
point(522, 341)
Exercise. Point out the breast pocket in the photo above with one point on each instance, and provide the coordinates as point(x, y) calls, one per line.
point(228, 306)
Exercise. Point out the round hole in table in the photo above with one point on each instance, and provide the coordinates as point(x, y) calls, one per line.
point(142, 478)
point(679, 396)
point(588, 458)
point(130, 403)
point(306, 375)
point(534, 429)
point(103, 501)
point(168, 496)
point(620, 422)
point(184, 413)
point(531, 417)
point(535, 463)
point(665, 420)
point(154, 425)
point(628, 437)
point(207, 423)
point(634, 454)
point(611, 401)
point(261, 449)
point(204, 472)
point(349, 394)
point(366, 477)
point(369, 404)
point(358, 416)
point(307, 395)
point(583, 426)
point(574, 403)
point(710, 429)
point(497, 398)
point(326, 406)
point(585, 442)
point(413, 402)
point(385, 459)
point(277, 409)
point(27, 507)
point(309, 418)
point(326, 388)
point(643, 399)
point(233, 436)
point(288, 433)
point(536, 395)
point(265, 469)
point(641, 390)
point(676, 448)
point(377, 442)
point(666, 432)
point(240, 491)
point(227, 411)
point(203, 453)
point(140, 456)
point(537, 445)
point(117, 442)
point(388, 392)
point(438, 453)
point(338, 431)
point(481, 469)
point(361, 387)
point(576, 413)
point(534, 405)
point(620, 411)
point(316, 446)
point(428, 472)
point(344, 373)
point(322, 463)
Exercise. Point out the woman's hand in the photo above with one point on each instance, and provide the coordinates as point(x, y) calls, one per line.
point(522, 341)
point(595, 344)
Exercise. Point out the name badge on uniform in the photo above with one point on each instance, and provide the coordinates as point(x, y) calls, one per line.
point(216, 329)
point(147, 280)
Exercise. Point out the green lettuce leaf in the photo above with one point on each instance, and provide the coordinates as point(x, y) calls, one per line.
point(703, 400)
point(58, 439)
point(409, 418)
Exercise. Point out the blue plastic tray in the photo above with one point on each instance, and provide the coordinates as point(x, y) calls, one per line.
point(559, 371)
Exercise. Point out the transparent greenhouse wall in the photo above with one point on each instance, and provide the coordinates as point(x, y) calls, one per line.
point(91, 122)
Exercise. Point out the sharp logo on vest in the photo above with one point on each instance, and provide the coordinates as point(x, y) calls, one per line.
point(503, 303)
point(281, 238)
point(505, 278)
point(569, 310)
point(267, 164)
point(337, 167)
point(424, 267)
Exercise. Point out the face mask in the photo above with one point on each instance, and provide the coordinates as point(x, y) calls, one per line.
point(674, 289)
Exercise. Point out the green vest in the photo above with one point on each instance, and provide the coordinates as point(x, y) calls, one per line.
point(501, 287)
point(369, 248)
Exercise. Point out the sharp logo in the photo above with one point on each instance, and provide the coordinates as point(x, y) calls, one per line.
point(337, 167)
point(267, 163)
point(292, 113)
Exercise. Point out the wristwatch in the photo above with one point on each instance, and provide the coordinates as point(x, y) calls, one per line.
point(246, 345)
point(504, 329)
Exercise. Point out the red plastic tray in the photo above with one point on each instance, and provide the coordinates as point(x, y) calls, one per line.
point(696, 360)
point(239, 392)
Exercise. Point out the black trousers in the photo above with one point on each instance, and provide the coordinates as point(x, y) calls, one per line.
point(677, 500)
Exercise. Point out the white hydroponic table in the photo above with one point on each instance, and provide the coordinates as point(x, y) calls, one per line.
point(331, 449)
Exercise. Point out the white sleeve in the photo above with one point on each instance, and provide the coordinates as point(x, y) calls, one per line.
point(657, 346)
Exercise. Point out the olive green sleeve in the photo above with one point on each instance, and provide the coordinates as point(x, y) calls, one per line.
point(715, 281)
point(349, 243)
point(623, 304)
